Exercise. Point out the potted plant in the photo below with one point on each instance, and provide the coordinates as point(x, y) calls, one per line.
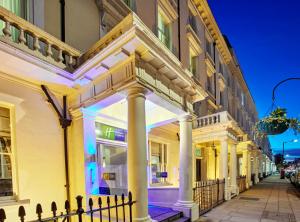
point(277, 123)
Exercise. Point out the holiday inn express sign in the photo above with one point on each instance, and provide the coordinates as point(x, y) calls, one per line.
point(107, 132)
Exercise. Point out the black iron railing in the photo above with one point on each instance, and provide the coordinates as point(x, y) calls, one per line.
point(241, 182)
point(114, 210)
point(209, 194)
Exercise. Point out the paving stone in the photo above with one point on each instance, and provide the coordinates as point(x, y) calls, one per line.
point(269, 201)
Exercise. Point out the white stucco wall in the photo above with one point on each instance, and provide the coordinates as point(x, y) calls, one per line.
point(38, 150)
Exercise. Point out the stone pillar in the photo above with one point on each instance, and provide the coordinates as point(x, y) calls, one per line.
point(256, 167)
point(246, 167)
point(83, 169)
point(233, 169)
point(185, 201)
point(249, 168)
point(137, 153)
point(223, 167)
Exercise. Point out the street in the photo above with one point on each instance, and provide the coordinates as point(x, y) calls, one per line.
point(270, 200)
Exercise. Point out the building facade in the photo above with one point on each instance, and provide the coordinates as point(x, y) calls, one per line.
point(105, 97)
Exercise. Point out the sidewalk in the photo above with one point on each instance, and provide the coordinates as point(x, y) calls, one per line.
point(269, 201)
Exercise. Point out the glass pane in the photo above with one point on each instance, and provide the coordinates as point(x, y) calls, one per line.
point(6, 188)
point(112, 163)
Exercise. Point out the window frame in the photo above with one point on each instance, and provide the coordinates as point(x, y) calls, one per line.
point(12, 118)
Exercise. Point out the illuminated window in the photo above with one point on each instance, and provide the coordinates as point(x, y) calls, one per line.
point(130, 4)
point(21, 8)
point(6, 182)
point(158, 160)
point(163, 29)
point(193, 62)
point(112, 165)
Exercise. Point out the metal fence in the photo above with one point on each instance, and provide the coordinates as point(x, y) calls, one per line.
point(115, 209)
point(209, 194)
point(241, 182)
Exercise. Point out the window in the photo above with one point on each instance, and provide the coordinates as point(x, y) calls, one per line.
point(112, 169)
point(130, 4)
point(209, 48)
point(6, 183)
point(242, 99)
point(193, 62)
point(158, 160)
point(163, 29)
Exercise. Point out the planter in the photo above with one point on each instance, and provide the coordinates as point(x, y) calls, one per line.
point(273, 127)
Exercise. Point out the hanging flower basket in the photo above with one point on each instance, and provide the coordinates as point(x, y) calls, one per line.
point(272, 126)
point(277, 123)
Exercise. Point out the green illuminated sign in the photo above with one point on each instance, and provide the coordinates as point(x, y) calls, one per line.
point(198, 152)
point(107, 132)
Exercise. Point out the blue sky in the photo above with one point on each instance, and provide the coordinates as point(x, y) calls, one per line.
point(265, 35)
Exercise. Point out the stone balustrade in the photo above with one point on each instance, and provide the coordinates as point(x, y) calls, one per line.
point(221, 117)
point(25, 36)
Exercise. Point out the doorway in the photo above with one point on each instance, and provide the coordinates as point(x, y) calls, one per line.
point(198, 169)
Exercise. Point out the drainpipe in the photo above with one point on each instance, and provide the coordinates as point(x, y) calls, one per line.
point(65, 122)
point(215, 74)
point(62, 20)
point(179, 44)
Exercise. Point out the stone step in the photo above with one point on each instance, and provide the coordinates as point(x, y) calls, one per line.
point(169, 216)
point(182, 219)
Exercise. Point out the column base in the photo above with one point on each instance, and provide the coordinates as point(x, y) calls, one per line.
point(227, 193)
point(188, 208)
point(143, 219)
point(235, 190)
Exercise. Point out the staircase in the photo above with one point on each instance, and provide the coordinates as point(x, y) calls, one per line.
point(164, 214)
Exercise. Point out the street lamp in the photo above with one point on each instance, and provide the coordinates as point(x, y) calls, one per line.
point(290, 141)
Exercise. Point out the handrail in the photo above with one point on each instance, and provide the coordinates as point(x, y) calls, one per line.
point(10, 17)
point(37, 42)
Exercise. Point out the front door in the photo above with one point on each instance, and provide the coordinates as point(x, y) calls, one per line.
point(198, 169)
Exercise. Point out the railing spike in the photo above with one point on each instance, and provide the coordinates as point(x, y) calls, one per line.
point(67, 205)
point(39, 211)
point(53, 208)
point(108, 200)
point(130, 196)
point(2, 215)
point(79, 203)
point(21, 212)
point(100, 202)
point(116, 199)
point(91, 203)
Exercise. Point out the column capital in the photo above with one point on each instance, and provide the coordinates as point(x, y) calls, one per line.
point(83, 113)
point(185, 117)
point(136, 91)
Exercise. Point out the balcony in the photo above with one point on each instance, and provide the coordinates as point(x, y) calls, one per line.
point(212, 120)
point(216, 124)
point(22, 35)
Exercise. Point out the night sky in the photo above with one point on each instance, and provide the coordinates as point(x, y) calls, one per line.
point(265, 35)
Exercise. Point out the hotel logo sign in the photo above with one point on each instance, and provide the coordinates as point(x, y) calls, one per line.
point(107, 132)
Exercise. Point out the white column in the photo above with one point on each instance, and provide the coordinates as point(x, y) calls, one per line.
point(83, 169)
point(256, 166)
point(249, 171)
point(137, 153)
point(246, 167)
point(185, 201)
point(223, 166)
point(233, 169)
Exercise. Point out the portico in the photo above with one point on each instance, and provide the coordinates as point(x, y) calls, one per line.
point(122, 110)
